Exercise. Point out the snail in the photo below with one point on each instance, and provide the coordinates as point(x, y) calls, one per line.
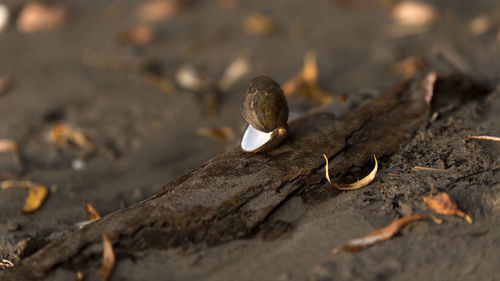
point(265, 109)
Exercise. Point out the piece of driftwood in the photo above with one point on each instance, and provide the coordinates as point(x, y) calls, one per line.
point(231, 195)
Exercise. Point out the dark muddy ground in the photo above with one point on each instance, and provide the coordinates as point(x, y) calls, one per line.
point(146, 138)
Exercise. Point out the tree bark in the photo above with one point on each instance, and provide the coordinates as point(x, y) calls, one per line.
point(231, 195)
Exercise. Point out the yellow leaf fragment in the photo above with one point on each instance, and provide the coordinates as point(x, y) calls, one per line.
point(163, 84)
point(63, 134)
point(222, 133)
point(6, 263)
point(413, 13)
point(377, 236)
point(305, 83)
point(158, 10)
point(108, 258)
point(139, 35)
point(355, 185)
point(92, 213)
point(37, 16)
point(480, 25)
point(79, 275)
point(36, 196)
point(234, 72)
point(490, 138)
point(441, 203)
point(8, 145)
point(408, 67)
point(258, 24)
point(5, 83)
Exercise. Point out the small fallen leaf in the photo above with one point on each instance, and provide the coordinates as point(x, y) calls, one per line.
point(5, 83)
point(8, 145)
point(234, 72)
point(139, 35)
point(163, 84)
point(490, 138)
point(108, 258)
point(305, 82)
point(37, 16)
point(441, 203)
point(413, 13)
point(258, 24)
point(228, 4)
point(63, 134)
point(408, 67)
point(4, 17)
point(189, 79)
point(36, 193)
point(480, 25)
point(36, 196)
point(158, 10)
point(222, 133)
point(355, 185)
point(6, 263)
point(92, 213)
point(377, 236)
point(79, 275)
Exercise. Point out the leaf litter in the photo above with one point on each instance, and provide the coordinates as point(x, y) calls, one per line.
point(37, 193)
point(305, 83)
point(108, 258)
point(380, 235)
point(441, 203)
point(355, 185)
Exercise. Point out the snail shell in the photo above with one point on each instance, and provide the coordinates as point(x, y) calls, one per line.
point(264, 105)
point(265, 109)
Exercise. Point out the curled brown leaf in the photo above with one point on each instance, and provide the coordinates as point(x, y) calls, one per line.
point(37, 16)
point(378, 235)
point(108, 258)
point(92, 213)
point(355, 185)
point(441, 203)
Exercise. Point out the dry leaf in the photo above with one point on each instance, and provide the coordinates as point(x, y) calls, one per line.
point(490, 138)
point(223, 133)
point(139, 35)
point(441, 203)
point(36, 16)
point(36, 196)
point(305, 82)
point(234, 72)
point(355, 185)
point(79, 275)
point(92, 213)
point(4, 17)
point(158, 10)
point(480, 25)
point(228, 4)
point(189, 79)
point(8, 145)
point(63, 134)
point(108, 258)
point(408, 67)
point(413, 13)
point(258, 24)
point(163, 84)
point(6, 263)
point(5, 83)
point(378, 235)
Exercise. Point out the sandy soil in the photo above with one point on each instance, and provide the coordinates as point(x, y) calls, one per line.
point(146, 138)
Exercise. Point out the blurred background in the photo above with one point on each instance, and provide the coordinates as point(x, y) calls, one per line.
point(106, 101)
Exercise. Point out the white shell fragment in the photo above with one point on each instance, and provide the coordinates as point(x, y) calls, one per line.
point(253, 138)
point(4, 16)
